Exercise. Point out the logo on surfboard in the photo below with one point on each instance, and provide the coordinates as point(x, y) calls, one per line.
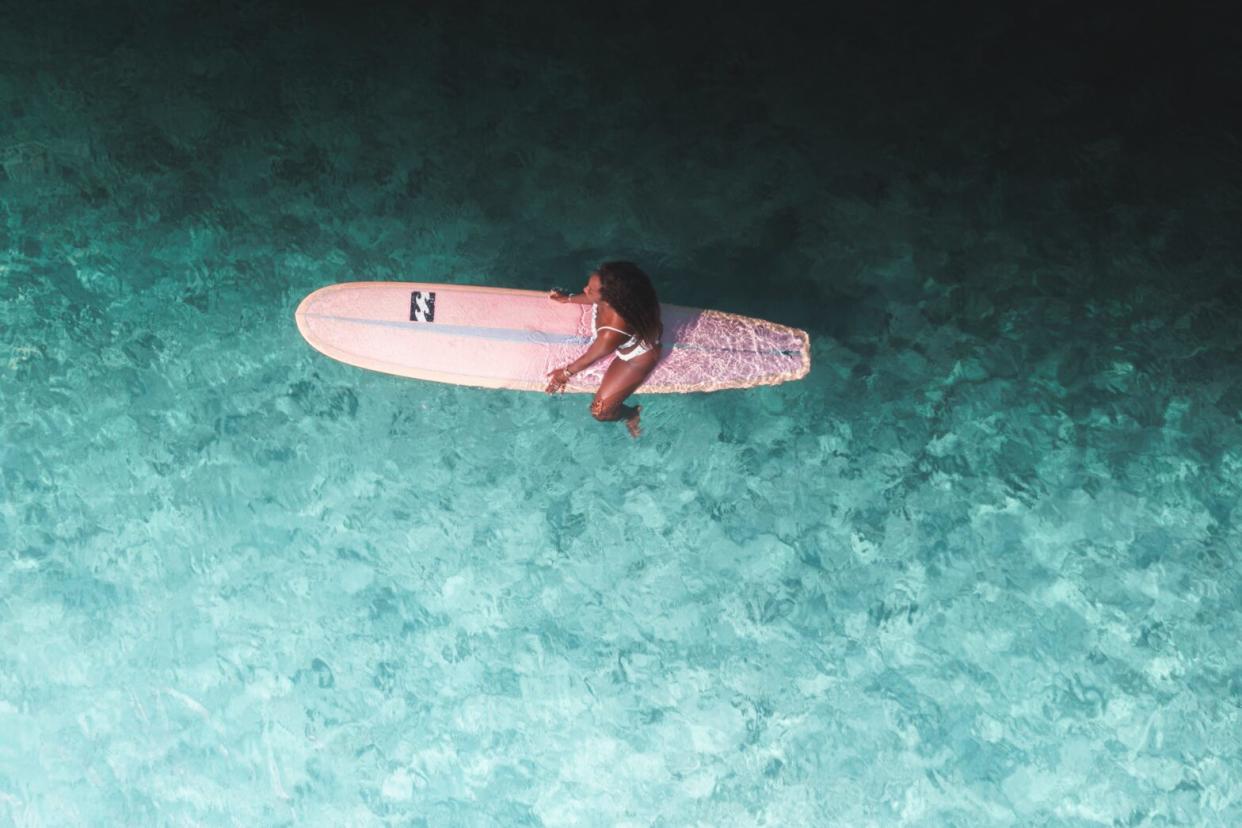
point(423, 306)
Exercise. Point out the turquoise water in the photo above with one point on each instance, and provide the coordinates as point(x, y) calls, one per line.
point(980, 567)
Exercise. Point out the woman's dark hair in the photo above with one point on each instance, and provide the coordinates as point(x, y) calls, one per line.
point(624, 286)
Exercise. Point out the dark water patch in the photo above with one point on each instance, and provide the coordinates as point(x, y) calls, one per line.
point(303, 166)
point(397, 611)
point(318, 675)
point(316, 399)
point(565, 523)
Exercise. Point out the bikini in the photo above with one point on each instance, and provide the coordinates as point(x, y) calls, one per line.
point(636, 346)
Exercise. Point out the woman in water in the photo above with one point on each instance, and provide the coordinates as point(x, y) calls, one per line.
point(626, 319)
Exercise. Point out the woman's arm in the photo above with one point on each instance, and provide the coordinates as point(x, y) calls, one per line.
point(604, 343)
point(572, 298)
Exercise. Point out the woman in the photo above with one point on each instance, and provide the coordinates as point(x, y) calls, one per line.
point(626, 319)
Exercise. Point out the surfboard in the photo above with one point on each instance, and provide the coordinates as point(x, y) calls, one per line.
point(503, 338)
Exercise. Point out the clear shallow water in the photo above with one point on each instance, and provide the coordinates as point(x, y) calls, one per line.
point(980, 567)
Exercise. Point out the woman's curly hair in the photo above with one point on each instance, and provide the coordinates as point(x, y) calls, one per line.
point(628, 289)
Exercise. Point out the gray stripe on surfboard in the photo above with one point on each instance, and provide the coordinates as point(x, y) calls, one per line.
point(539, 337)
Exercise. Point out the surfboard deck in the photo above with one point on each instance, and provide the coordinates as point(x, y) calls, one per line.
point(504, 338)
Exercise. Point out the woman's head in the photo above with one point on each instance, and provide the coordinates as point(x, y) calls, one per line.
point(625, 287)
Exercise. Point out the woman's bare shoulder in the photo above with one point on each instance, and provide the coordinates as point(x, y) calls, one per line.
point(607, 316)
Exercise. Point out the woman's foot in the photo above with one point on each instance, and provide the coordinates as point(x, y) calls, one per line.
point(631, 422)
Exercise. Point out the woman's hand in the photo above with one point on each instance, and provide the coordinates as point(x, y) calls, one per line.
point(558, 295)
point(558, 380)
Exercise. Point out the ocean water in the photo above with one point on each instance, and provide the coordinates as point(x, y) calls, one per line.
point(980, 567)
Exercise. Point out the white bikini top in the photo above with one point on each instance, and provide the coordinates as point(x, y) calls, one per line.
point(632, 342)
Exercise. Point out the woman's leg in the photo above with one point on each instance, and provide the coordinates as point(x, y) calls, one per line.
point(620, 380)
